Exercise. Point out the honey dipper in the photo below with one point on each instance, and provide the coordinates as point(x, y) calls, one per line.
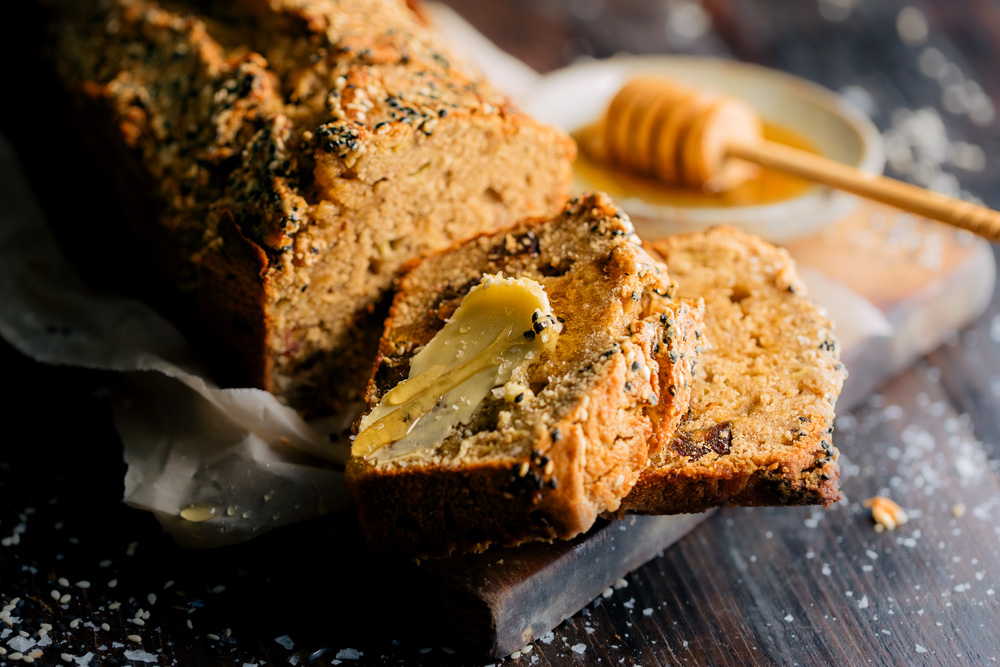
point(714, 142)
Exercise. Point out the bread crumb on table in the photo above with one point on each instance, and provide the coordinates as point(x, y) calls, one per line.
point(886, 513)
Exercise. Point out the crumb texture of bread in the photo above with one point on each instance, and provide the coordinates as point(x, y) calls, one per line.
point(296, 154)
point(546, 467)
point(759, 429)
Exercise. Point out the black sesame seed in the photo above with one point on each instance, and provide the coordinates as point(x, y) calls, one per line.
point(556, 435)
point(635, 366)
point(529, 334)
point(519, 397)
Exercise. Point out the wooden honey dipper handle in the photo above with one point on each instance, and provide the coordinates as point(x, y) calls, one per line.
point(977, 219)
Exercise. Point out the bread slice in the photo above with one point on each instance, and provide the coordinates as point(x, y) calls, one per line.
point(546, 466)
point(759, 428)
point(285, 158)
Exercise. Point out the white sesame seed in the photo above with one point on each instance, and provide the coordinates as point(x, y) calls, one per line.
point(134, 638)
point(112, 583)
point(83, 584)
point(105, 563)
point(152, 598)
point(114, 605)
point(189, 624)
point(138, 621)
point(213, 637)
point(66, 598)
point(105, 627)
point(16, 655)
point(219, 589)
point(55, 594)
point(62, 581)
point(66, 657)
point(75, 622)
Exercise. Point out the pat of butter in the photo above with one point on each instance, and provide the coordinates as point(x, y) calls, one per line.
point(500, 326)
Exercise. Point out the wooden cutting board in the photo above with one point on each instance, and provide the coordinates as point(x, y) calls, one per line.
point(926, 279)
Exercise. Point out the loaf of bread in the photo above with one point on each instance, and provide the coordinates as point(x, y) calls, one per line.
point(563, 440)
point(759, 431)
point(286, 157)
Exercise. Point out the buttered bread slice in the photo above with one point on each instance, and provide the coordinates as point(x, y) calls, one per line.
point(520, 381)
point(759, 431)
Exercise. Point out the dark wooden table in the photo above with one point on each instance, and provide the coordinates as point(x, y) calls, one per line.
point(763, 586)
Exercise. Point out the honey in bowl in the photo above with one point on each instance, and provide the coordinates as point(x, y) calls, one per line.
point(766, 187)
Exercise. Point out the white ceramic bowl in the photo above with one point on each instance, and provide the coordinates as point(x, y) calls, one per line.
point(576, 96)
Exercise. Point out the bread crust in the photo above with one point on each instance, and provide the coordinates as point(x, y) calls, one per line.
point(585, 453)
point(759, 430)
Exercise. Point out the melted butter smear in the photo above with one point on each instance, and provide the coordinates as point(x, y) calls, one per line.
point(500, 326)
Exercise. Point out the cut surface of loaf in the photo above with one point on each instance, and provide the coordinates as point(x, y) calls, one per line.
point(759, 429)
point(545, 464)
point(290, 156)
